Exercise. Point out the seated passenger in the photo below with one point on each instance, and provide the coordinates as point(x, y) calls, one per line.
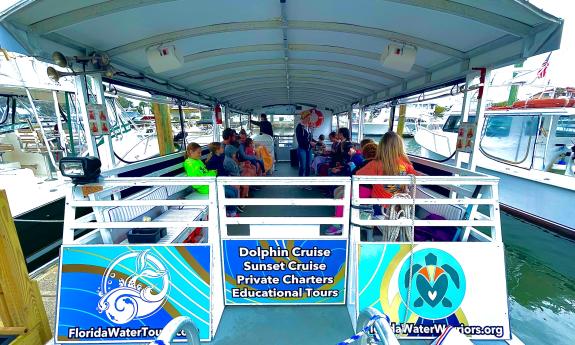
point(369, 154)
point(391, 160)
point(334, 140)
point(319, 146)
point(194, 166)
point(229, 136)
point(320, 155)
point(233, 168)
point(244, 156)
point(263, 154)
point(341, 158)
point(215, 159)
point(250, 149)
point(323, 167)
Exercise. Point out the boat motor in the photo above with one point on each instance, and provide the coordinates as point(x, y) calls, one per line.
point(82, 170)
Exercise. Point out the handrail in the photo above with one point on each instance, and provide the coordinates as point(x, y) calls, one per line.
point(484, 192)
point(344, 202)
point(99, 196)
point(177, 325)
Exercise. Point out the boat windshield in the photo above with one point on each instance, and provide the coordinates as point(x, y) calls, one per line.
point(453, 122)
point(566, 127)
point(510, 138)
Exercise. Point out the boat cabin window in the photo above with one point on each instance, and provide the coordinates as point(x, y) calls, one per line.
point(454, 121)
point(565, 127)
point(510, 139)
point(284, 131)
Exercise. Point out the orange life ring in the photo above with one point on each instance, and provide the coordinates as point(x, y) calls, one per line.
point(312, 118)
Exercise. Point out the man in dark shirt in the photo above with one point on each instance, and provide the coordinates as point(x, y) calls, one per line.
point(264, 125)
point(304, 145)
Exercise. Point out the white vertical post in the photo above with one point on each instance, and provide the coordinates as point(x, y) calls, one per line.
point(101, 99)
point(360, 123)
point(479, 119)
point(227, 116)
point(82, 97)
point(349, 121)
point(59, 121)
point(464, 112)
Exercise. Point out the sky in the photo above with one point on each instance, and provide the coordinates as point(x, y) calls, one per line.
point(560, 72)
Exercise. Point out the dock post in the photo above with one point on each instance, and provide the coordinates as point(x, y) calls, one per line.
point(22, 311)
point(401, 120)
point(163, 120)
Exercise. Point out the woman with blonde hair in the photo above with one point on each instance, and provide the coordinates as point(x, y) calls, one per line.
point(390, 160)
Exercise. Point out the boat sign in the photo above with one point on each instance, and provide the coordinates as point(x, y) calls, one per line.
point(436, 285)
point(285, 271)
point(129, 293)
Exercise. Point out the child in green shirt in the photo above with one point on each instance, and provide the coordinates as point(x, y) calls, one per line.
point(196, 168)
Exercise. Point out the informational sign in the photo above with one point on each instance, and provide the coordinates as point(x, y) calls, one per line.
point(285, 271)
point(466, 137)
point(129, 293)
point(98, 119)
point(435, 285)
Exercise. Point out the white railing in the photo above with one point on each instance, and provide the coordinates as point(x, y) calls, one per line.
point(470, 190)
point(107, 193)
point(303, 227)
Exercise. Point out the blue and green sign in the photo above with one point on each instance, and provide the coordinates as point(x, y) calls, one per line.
point(427, 287)
point(129, 293)
point(285, 271)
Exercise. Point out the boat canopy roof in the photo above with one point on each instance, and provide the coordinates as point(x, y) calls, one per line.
point(251, 54)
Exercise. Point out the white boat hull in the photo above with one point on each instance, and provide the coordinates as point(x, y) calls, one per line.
point(539, 196)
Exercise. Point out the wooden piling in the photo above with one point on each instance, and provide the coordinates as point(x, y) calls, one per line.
point(163, 120)
point(22, 311)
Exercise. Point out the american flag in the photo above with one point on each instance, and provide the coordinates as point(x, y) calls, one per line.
point(543, 69)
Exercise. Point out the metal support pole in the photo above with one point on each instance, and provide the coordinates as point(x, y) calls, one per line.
point(227, 116)
point(464, 112)
point(182, 125)
point(349, 122)
point(82, 97)
point(59, 122)
point(44, 138)
point(391, 118)
point(360, 124)
point(101, 99)
point(69, 124)
point(215, 126)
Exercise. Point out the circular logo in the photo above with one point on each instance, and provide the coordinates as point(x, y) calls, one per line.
point(139, 292)
point(437, 284)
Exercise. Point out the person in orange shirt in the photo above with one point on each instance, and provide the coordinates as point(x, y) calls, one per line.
point(390, 160)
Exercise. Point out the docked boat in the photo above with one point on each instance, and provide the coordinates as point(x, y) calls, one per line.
point(530, 146)
point(153, 255)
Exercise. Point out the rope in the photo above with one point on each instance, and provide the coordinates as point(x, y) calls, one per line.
point(402, 233)
point(413, 192)
point(365, 331)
